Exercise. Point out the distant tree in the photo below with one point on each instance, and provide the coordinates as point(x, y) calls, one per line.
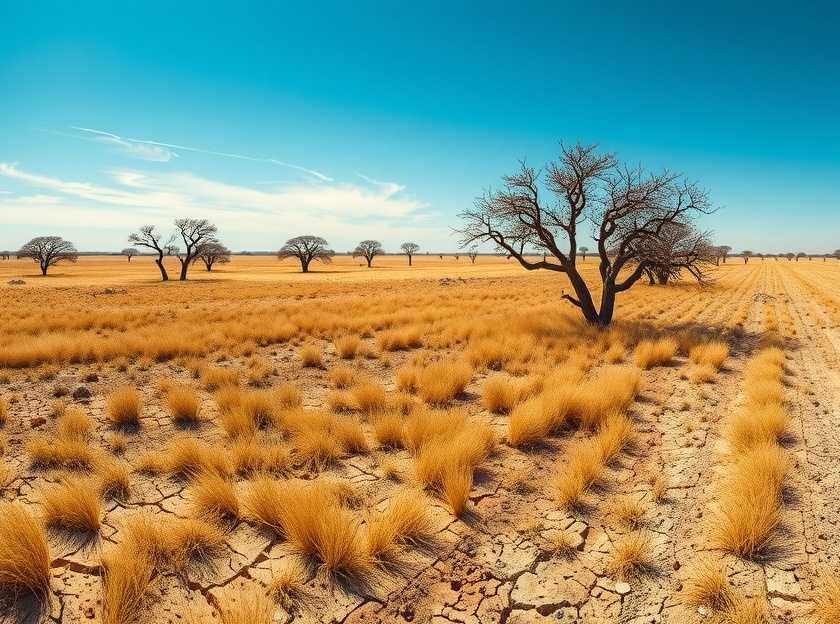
point(724, 250)
point(129, 252)
point(147, 237)
point(583, 252)
point(172, 250)
point(473, 254)
point(624, 205)
point(746, 254)
point(5, 255)
point(48, 251)
point(212, 253)
point(194, 233)
point(306, 249)
point(441, 256)
point(409, 249)
point(368, 249)
point(790, 256)
point(801, 254)
point(678, 248)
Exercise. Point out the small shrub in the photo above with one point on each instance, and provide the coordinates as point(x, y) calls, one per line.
point(310, 356)
point(124, 408)
point(184, 405)
point(24, 553)
point(346, 347)
point(442, 381)
point(651, 353)
point(73, 506)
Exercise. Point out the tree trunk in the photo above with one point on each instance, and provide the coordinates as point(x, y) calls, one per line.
point(746, 260)
point(585, 298)
point(607, 305)
point(129, 258)
point(44, 268)
point(369, 260)
point(304, 265)
point(184, 268)
point(164, 276)
point(409, 260)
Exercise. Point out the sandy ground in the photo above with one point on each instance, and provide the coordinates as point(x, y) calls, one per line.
point(496, 564)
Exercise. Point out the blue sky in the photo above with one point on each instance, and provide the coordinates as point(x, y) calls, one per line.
point(383, 120)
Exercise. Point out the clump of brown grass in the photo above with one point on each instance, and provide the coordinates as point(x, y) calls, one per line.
point(74, 424)
point(24, 553)
point(258, 407)
point(187, 457)
point(406, 378)
point(627, 511)
point(73, 506)
point(405, 521)
point(310, 356)
point(827, 601)
point(127, 570)
point(252, 607)
point(251, 456)
point(651, 353)
point(214, 497)
point(754, 425)
point(123, 405)
point(711, 354)
point(184, 404)
point(341, 401)
point(118, 443)
point(4, 411)
point(708, 586)
point(749, 508)
point(288, 583)
point(312, 519)
point(631, 556)
point(609, 391)
point(702, 373)
point(287, 396)
point(388, 430)
point(440, 382)
point(216, 377)
point(347, 346)
point(500, 394)
point(190, 540)
point(228, 398)
point(342, 376)
point(582, 468)
point(399, 339)
point(71, 454)
point(369, 397)
point(114, 480)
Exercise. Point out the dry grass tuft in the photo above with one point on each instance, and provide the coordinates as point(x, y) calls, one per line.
point(405, 521)
point(442, 381)
point(406, 378)
point(827, 601)
point(73, 506)
point(54, 453)
point(287, 396)
point(191, 540)
point(114, 480)
point(184, 405)
point(4, 411)
point(252, 607)
point(627, 512)
point(500, 394)
point(288, 583)
point(127, 570)
point(123, 406)
point(702, 374)
point(651, 353)
point(250, 456)
point(631, 556)
point(754, 425)
point(187, 458)
point(388, 430)
point(74, 424)
point(399, 339)
point(214, 497)
point(369, 397)
point(310, 356)
point(342, 377)
point(24, 553)
point(346, 347)
point(216, 377)
point(708, 586)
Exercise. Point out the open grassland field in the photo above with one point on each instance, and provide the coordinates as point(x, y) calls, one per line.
point(442, 443)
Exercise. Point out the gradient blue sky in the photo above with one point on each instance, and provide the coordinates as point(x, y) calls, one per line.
point(373, 119)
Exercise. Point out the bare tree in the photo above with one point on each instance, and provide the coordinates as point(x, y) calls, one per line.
point(129, 252)
point(409, 249)
point(625, 206)
point(5, 255)
point(147, 237)
point(48, 250)
point(194, 233)
point(211, 253)
point(678, 248)
point(583, 251)
point(724, 252)
point(368, 249)
point(801, 254)
point(472, 254)
point(306, 249)
point(746, 255)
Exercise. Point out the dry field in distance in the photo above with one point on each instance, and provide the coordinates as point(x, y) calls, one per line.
point(442, 443)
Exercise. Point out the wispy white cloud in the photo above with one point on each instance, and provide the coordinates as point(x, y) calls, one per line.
point(148, 149)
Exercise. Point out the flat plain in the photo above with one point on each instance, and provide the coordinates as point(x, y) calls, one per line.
point(446, 442)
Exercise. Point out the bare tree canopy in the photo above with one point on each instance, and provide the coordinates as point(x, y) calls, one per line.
point(678, 248)
point(147, 237)
point(583, 251)
point(129, 252)
point(409, 249)
point(306, 249)
point(368, 249)
point(723, 252)
point(746, 255)
point(472, 253)
point(194, 233)
point(48, 250)
point(623, 206)
point(211, 253)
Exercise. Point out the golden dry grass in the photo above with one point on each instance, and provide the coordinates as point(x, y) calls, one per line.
point(287, 585)
point(127, 570)
point(342, 376)
point(650, 353)
point(73, 424)
point(114, 479)
point(250, 456)
point(4, 411)
point(442, 381)
point(712, 354)
point(707, 586)
point(215, 377)
point(24, 553)
point(347, 346)
point(123, 405)
point(215, 497)
point(631, 556)
point(827, 601)
point(184, 405)
point(73, 506)
point(188, 457)
point(369, 397)
point(310, 356)
point(72, 454)
point(251, 607)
